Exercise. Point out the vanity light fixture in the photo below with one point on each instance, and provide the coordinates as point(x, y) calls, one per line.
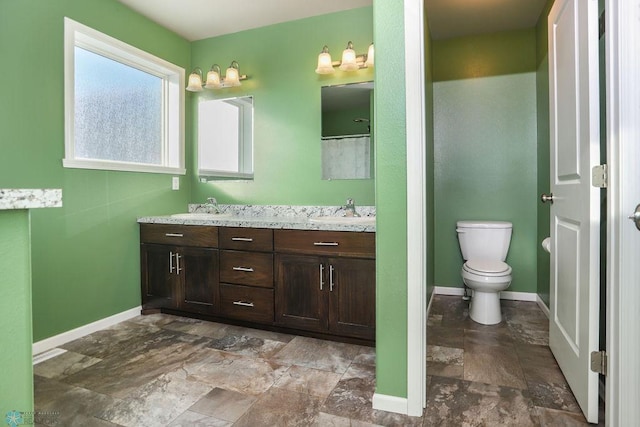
point(350, 61)
point(213, 77)
point(232, 77)
point(349, 58)
point(325, 66)
point(215, 80)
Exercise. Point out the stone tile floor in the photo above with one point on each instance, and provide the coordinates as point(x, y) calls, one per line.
point(163, 370)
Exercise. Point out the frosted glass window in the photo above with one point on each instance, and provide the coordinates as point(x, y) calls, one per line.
point(225, 137)
point(118, 111)
point(123, 107)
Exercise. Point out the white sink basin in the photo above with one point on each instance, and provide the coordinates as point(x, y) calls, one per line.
point(361, 220)
point(201, 215)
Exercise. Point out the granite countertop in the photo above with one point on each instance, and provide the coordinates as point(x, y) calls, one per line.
point(273, 216)
point(30, 198)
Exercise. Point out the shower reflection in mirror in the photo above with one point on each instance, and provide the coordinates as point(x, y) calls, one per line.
point(347, 138)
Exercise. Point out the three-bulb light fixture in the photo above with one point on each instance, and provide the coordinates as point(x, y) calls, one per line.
point(350, 61)
point(215, 80)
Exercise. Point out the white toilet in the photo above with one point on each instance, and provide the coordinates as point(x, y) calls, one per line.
point(484, 246)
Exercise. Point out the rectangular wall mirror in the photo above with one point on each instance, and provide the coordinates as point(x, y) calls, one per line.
point(225, 138)
point(347, 138)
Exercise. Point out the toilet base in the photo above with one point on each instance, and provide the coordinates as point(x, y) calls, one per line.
point(485, 308)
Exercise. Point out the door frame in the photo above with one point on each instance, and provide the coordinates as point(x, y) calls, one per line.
point(623, 242)
point(416, 206)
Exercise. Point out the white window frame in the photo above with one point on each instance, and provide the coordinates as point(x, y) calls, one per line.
point(173, 158)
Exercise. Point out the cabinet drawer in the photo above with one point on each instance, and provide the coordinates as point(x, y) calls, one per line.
point(337, 243)
point(246, 268)
point(181, 235)
point(246, 303)
point(246, 239)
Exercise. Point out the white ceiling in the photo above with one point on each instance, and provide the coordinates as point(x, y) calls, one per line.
point(200, 19)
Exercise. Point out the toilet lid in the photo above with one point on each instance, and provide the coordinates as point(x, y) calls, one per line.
point(487, 267)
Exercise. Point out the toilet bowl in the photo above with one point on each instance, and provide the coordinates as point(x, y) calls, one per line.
point(484, 246)
point(487, 278)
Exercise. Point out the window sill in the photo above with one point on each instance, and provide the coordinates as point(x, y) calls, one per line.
point(121, 166)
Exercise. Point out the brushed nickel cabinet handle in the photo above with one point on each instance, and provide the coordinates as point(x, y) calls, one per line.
point(243, 304)
point(246, 269)
point(325, 243)
point(174, 234)
point(242, 239)
point(178, 269)
point(321, 276)
point(330, 278)
point(171, 267)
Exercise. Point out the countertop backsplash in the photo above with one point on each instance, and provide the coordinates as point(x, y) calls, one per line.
point(286, 211)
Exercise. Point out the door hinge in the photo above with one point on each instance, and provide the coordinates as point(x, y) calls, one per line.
point(599, 176)
point(599, 362)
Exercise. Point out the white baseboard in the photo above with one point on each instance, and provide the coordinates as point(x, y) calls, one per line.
point(508, 295)
point(433, 294)
point(519, 296)
point(65, 337)
point(447, 290)
point(387, 403)
point(46, 355)
point(543, 307)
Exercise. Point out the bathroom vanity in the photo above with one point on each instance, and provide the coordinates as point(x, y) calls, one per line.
point(278, 273)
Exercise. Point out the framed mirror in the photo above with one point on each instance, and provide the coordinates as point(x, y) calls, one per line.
point(225, 138)
point(347, 140)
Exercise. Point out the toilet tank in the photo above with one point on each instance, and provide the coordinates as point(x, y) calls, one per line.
point(484, 239)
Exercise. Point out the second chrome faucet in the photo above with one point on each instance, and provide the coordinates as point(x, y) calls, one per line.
point(350, 208)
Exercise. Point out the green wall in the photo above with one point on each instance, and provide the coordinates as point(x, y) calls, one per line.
point(340, 122)
point(280, 61)
point(485, 147)
point(85, 256)
point(543, 182)
point(16, 392)
point(391, 197)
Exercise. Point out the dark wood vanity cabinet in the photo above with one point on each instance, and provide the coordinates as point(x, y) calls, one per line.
point(179, 268)
point(246, 274)
point(322, 282)
point(325, 282)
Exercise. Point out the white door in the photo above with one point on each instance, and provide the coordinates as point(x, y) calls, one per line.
point(575, 211)
point(623, 246)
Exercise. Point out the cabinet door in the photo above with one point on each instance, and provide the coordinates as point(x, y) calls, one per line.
point(352, 301)
point(300, 303)
point(198, 272)
point(158, 282)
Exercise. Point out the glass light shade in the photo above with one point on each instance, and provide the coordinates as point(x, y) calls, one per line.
point(213, 79)
point(369, 61)
point(195, 82)
point(232, 77)
point(349, 59)
point(325, 64)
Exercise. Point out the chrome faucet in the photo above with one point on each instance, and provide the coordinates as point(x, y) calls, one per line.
point(350, 208)
point(212, 204)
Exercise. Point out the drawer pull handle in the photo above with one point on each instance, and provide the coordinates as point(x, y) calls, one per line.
point(174, 234)
point(242, 303)
point(242, 239)
point(247, 269)
point(325, 243)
